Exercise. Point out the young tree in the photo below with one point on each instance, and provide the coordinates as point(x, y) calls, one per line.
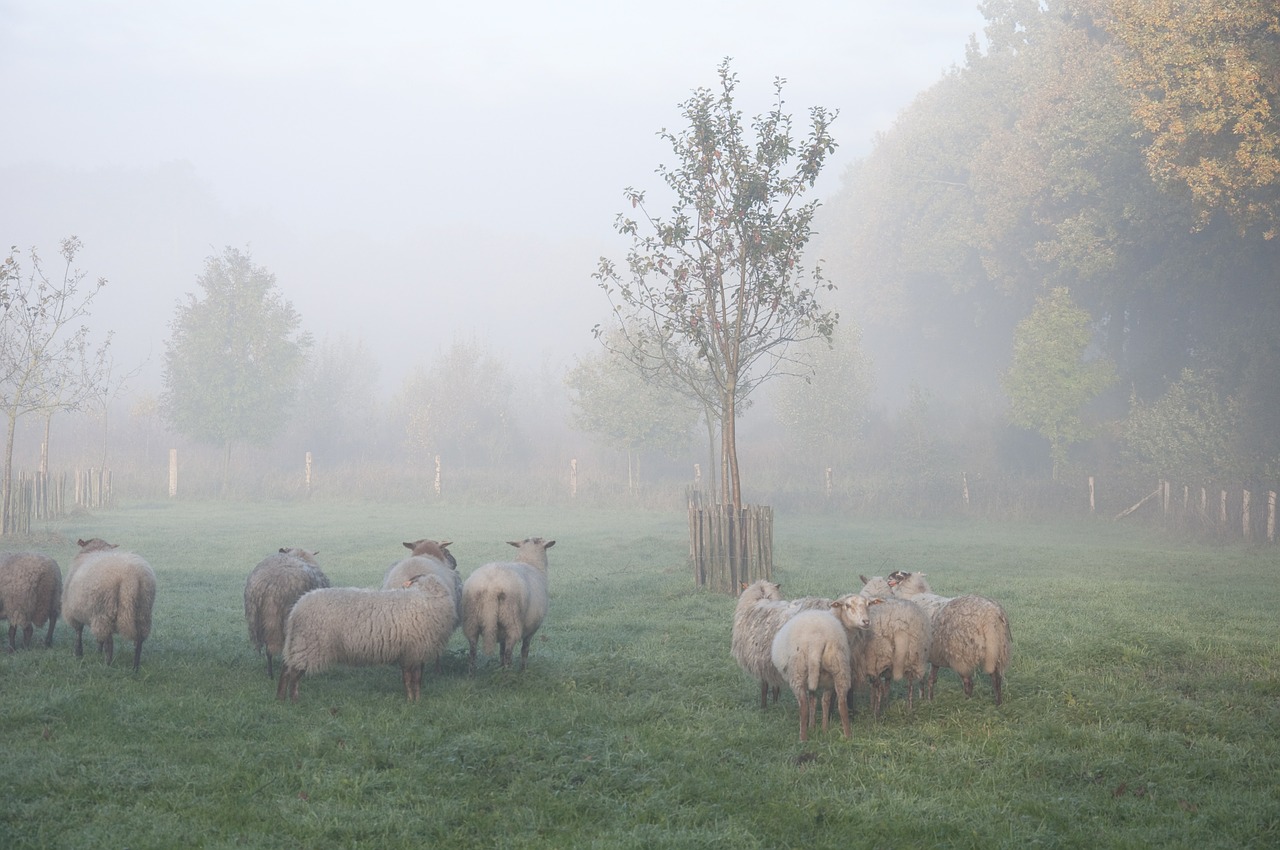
point(1050, 381)
point(612, 400)
point(718, 290)
point(232, 363)
point(461, 407)
point(823, 414)
point(46, 364)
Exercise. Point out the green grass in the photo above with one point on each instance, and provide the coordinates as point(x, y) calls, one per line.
point(1141, 708)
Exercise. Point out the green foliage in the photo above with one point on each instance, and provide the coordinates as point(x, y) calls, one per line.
point(718, 290)
point(822, 415)
point(1185, 435)
point(611, 399)
point(1139, 709)
point(234, 357)
point(1050, 381)
point(461, 407)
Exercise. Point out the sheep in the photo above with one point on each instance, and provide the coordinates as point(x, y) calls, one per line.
point(813, 652)
point(110, 590)
point(434, 558)
point(896, 648)
point(270, 591)
point(760, 612)
point(359, 627)
point(969, 633)
point(30, 595)
point(506, 602)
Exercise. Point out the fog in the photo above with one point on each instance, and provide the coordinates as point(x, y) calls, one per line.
point(411, 173)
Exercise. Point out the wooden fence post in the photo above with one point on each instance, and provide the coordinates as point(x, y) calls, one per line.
point(173, 473)
point(307, 474)
point(1244, 513)
point(573, 478)
point(1222, 510)
point(437, 481)
point(964, 484)
point(1271, 516)
point(1092, 505)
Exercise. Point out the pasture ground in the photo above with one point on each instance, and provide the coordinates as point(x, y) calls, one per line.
point(1141, 707)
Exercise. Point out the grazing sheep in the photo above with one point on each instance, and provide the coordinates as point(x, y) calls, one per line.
point(432, 558)
point(896, 648)
point(969, 633)
point(506, 602)
point(109, 590)
point(269, 593)
point(30, 595)
point(359, 627)
point(812, 651)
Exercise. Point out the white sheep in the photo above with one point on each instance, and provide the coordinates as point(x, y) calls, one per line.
point(969, 633)
point(896, 648)
point(270, 591)
point(813, 652)
point(359, 627)
point(30, 595)
point(110, 590)
point(760, 612)
point(506, 602)
point(428, 557)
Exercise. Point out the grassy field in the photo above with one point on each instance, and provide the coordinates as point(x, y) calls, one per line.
point(1141, 707)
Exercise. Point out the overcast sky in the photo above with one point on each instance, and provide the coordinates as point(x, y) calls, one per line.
point(410, 171)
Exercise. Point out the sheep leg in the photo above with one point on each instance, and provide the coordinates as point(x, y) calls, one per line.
point(826, 709)
point(79, 640)
point(804, 715)
point(471, 665)
point(911, 687)
point(996, 684)
point(764, 695)
point(27, 631)
point(13, 633)
point(524, 651)
point(137, 654)
point(933, 679)
point(776, 691)
point(842, 704)
point(48, 638)
point(287, 688)
point(407, 673)
point(968, 685)
point(109, 647)
point(270, 675)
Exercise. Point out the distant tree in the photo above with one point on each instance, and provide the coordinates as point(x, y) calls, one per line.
point(461, 407)
point(718, 290)
point(1050, 381)
point(336, 411)
point(46, 363)
point(1186, 434)
point(234, 357)
point(610, 399)
point(1206, 75)
point(822, 414)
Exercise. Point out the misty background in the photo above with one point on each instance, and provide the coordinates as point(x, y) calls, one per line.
point(432, 189)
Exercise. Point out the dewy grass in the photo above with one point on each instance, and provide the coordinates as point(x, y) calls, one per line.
point(1141, 704)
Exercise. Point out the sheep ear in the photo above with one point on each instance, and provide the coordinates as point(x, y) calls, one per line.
point(82, 543)
point(445, 543)
point(283, 550)
point(864, 579)
point(513, 543)
point(408, 545)
point(549, 544)
point(876, 601)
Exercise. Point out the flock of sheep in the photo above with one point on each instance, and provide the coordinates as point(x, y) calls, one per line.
point(291, 610)
point(885, 633)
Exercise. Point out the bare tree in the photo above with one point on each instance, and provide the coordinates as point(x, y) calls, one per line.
point(46, 363)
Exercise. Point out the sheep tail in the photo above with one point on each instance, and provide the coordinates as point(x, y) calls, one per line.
point(997, 638)
point(490, 624)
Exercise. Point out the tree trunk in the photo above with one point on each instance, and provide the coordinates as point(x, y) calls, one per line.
point(226, 469)
point(7, 524)
point(730, 487)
